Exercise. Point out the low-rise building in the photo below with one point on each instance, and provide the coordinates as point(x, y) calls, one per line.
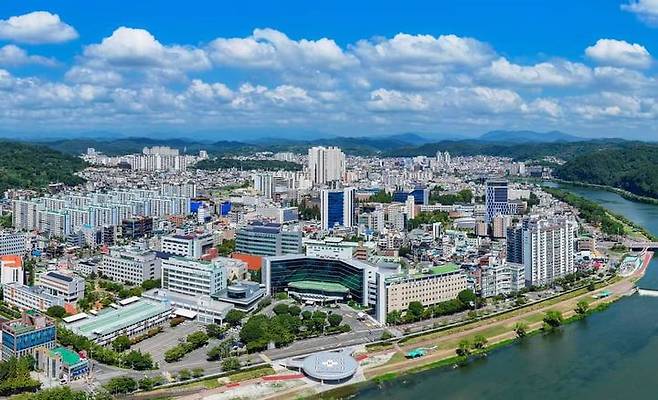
point(192, 245)
point(11, 269)
point(130, 264)
point(204, 308)
point(61, 363)
point(131, 320)
point(67, 287)
point(428, 286)
point(21, 337)
point(30, 297)
point(244, 295)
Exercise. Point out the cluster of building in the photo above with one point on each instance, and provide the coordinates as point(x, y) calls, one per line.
point(157, 158)
point(344, 229)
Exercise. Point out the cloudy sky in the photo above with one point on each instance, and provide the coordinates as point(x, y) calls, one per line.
point(296, 68)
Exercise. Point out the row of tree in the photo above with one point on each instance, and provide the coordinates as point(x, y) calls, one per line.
point(288, 323)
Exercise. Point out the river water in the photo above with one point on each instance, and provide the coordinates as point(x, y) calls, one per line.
point(609, 355)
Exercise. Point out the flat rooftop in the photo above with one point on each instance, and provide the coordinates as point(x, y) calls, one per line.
point(116, 319)
point(321, 286)
point(69, 357)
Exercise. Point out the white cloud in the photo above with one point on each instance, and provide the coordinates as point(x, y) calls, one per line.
point(138, 48)
point(619, 53)
point(269, 48)
point(424, 51)
point(11, 55)
point(393, 100)
point(81, 74)
point(556, 73)
point(646, 10)
point(36, 27)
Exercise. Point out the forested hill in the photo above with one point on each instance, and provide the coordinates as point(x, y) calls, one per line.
point(633, 168)
point(24, 165)
point(514, 149)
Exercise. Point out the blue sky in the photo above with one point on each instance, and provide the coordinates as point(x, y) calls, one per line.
point(335, 68)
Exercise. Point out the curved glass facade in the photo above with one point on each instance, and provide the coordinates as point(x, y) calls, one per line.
point(283, 272)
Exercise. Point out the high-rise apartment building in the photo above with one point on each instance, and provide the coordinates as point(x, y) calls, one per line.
point(325, 164)
point(548, 249)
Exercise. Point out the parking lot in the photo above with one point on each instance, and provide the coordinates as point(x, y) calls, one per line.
point(168, 338)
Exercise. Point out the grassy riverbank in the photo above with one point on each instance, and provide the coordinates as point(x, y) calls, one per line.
point(455, 361)
point(623, 193)
point(609, 222)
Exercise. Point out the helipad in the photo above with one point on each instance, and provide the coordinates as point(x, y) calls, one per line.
point(330, 366)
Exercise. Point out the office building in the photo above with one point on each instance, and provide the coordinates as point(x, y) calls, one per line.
point(21, 337)
point(337, 247)
point(338, 208)
point(497, 200)
point(421, 196)
point(326, 164)
point(11, 269)
point(129, 264)
point(428, 286)
point(67, 287)
point(548, 250)
point(193, 245)
point(263, 239)
point(136, 227)
point(317, 279)
point(30, 297)
point(195, 277)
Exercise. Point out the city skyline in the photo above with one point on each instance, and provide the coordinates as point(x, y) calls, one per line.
point(290, 71)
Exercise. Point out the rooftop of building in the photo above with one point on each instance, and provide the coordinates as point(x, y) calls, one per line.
point(111, 320)
point(11, 260)
point(196, 302)
point(319, 286)
point(68, 357)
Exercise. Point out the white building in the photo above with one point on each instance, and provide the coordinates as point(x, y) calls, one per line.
point(129, 264)
point(192, 245)
point(330, 247)
point(326, 164)
point(11, 269)
point(29, 297)
point(548, 249)
point(195, 277)
point(501, 278)
point(67, 287)
point(13, 243)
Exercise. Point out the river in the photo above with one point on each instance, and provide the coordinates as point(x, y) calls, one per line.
point(609, 355)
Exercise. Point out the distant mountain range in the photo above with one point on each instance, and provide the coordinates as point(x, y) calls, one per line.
point(529, 137)
point(515, 144)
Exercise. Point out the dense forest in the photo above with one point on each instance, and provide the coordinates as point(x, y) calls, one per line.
point(32, 166)
point(633, 169)
point(227, 163)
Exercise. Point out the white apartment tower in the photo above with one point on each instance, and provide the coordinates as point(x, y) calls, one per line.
point(325, 164)
point(548, 249)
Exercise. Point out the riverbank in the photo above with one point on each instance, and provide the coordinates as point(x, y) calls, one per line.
point(499, 333)
point(623, 193)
